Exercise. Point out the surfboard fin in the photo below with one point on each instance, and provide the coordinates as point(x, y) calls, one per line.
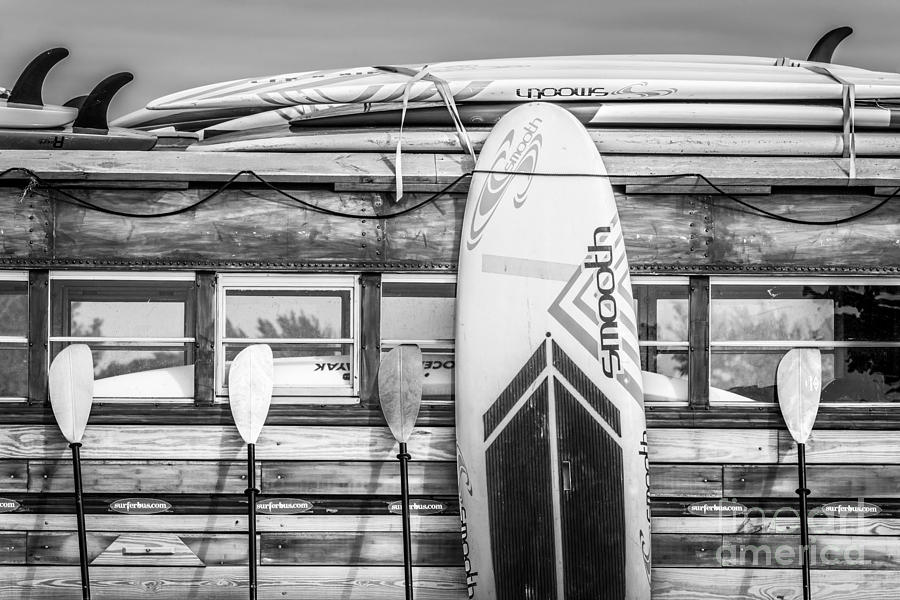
point(823, 51)
point(92, 112)
point(30, 83)
point(76, 102)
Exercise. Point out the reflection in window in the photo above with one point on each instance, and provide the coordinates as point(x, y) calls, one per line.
point(662, 310)
point(13, 336)
point(139, 328)
point(856, 326)
point(421, 310)
point(308, 321)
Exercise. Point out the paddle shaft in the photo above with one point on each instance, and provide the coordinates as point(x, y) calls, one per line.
point(803, 492)
point(407, 542)
point(79, 518)
point(251, 514)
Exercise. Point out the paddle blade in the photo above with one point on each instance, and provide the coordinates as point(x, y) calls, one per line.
point(400, 379)
point(72, 390)
point(799, 380)
point(250, 390)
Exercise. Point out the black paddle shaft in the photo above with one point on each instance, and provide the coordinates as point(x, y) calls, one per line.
point(79, 517)
point(407, 542)
point(803, 492)
point(251, 515)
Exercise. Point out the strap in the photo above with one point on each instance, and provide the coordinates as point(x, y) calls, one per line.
point(443, 90)
point(848, 102)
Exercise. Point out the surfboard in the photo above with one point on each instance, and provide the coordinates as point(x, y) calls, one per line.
point(89, 131)
point(25, 108)
point(552, 455)
point(591, 114)
point(525, 80)
point(739, 142)
point(181, 120)
point(269, 118)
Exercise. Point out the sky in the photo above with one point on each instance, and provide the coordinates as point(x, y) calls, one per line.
point(172, 45)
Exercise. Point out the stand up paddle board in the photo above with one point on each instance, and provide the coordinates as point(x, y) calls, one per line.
point(269, 118)
point(739, 142)
point(591, 114)
point(25, 108)
point(552, 454)
point(90, 130)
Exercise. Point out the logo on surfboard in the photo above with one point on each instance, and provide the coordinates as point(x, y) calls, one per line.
point(513, 158)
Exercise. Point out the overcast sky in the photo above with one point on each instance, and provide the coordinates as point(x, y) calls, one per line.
point(171, 45)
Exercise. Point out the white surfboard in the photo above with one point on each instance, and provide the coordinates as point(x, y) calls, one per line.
point(738, 142)
point(602, 77)
point(33, 116)
point(552, 456)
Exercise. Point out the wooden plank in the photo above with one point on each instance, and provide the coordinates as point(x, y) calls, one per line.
point(826, 552)
point(706, 525)
point(38, 331)
point(434, 168)
point(698, 188)
point(679, 550)
point(205, 339)
point(12, 549)
point(698, 342)
point(373, 478)
point(141, 477)
point(744, 237)
point(713, 445)
point(857, 447)
point(132, 549)
point(13, 475)
point(825, 481)
point(26, 223)
point(230, 583)
point(186, 523)
point(345, 548)
point(770, 584)
point(124, 442)
point(692, 481)
point(429, 234)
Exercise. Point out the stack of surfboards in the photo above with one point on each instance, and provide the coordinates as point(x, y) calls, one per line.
point(682, 104)
point(27, 123)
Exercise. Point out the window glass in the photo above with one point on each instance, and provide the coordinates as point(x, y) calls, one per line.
point(13, 371)
point(411, 311)
point(309, 323)
point(287, 313)
point(422, 312)
point(855, 327)
point(14, 308)
point(663, 317)
point(140, 332)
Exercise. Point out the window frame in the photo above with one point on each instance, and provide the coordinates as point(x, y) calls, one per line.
point(136, 276)
point(791, 280)
point(287, 282)
point(14, 340)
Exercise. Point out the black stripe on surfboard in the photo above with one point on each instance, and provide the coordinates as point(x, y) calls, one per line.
point(520, 503)
point(586, 388)
point(516, 388)
point(592, 510)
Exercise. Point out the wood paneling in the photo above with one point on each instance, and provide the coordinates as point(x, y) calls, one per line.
point(824, 481)
point(713, 445)
point(229, 523)
point(371, 478)
point(703, 481)
point(13, 476)
point(141, 477)
point(771, 584)
point(785, 525)
point(343, 548)
point(61, 548)
point(205, 339)
point(843, 447)
point(223, 443)
point(38, 332)
point(230, 583)
point(12, 549)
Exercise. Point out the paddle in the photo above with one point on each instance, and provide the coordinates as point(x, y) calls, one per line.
point(71, 396)
point(400, 379)
point(799, 380)
point(250, 394)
